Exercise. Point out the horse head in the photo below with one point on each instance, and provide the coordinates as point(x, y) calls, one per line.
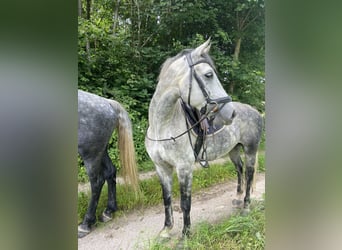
point(200, 87)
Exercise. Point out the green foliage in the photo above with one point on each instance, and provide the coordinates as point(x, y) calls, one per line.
point(82, 205)
point(261, 162)
point(237, 232)
point(248, 231)
point(82, 174)
point(151, 193)
point(124, 63)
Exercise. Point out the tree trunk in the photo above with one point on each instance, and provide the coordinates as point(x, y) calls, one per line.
point(138, 21)
point(237, 49)
point(231, 87)
point(79, 8)
point(88, 9)
point(116, 12)
point(235, 59)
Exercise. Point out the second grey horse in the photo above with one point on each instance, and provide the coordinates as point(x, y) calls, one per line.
point(188, 81)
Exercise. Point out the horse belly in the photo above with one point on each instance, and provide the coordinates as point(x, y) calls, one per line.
point(220, 144)
point(170, 152)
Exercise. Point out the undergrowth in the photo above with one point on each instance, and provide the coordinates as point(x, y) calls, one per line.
point(150, 190)
point(237, 232)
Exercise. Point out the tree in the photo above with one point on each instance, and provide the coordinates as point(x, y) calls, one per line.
point(123, 43)
point(80, 8)
point(116, 5)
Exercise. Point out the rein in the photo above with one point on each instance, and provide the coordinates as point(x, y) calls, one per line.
point(222, 100)
point(200, 141)
point(173, 138)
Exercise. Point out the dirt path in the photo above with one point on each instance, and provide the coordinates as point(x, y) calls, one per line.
point(137, 229)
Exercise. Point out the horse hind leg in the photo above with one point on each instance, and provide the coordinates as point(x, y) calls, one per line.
point(109, 171)
point(96, 182)
point(251, 158)
point(235, 157)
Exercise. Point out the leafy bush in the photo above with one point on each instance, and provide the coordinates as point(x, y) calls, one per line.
point(123, 64)
point(237, 232)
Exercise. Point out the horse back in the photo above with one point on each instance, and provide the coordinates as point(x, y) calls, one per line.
point(96, 122)
point(249, 121)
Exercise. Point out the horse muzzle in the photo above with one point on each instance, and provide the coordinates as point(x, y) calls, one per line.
point(224, 114)
point(218, 101)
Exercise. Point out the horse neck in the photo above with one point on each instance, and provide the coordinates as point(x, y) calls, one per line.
point(165, 108)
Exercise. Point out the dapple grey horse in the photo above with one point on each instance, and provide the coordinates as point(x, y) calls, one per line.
point(188, 102)
point(98, 117)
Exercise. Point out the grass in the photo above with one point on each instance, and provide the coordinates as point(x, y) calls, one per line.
point(261, 163)
point(149, 166)
point(151, 193)
point(237, 232)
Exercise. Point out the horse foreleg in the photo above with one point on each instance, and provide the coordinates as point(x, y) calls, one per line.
point(185, 182)
point(166, 183)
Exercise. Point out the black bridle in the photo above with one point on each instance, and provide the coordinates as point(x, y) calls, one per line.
point(201, 84)
point(204, 112)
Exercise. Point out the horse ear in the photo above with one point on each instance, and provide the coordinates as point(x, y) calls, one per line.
point(203, 48)
point(207, 48)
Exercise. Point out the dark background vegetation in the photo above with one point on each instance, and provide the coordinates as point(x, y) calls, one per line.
point(39, 56)
point(122, 45)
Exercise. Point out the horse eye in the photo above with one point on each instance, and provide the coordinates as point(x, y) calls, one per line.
point(209, 74)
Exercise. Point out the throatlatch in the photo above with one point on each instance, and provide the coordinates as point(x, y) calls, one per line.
point(198, 121)
point(201, 117)
point(202, 126)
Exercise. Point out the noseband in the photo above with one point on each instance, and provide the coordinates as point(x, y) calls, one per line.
point(217, 101)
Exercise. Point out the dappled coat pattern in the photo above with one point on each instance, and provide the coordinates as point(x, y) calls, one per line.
point(98, 117)
point(194, 83)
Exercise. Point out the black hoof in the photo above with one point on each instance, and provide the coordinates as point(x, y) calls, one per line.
point(182, 244)
point(164, 234)
point(239, 192)
point(237, 203)
point(83, 231)
point(105, 217)
point(245, 211)
point(186, 233)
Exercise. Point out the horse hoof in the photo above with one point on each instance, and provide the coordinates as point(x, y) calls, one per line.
point(239, 192)
point(186, 233)
point(105, 217)
point(83, 231)
point(237, 203)
point(165, 233)
point(245, 211)
point(182, 244)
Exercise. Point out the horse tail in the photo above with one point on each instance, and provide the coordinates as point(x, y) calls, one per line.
point(126, 146)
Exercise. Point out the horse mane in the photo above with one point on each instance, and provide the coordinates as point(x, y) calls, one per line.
point(170, 60)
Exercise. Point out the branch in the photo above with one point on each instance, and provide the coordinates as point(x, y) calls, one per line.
point(237, 20)
point(244, 28)
point(246, 17)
